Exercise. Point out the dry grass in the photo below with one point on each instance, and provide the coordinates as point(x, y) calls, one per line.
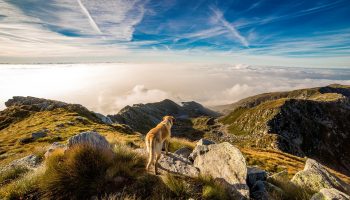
point(177, 143)
point(11, 174)
point(85, 171)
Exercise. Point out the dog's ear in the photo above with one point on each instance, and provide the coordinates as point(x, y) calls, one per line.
point(173, 118)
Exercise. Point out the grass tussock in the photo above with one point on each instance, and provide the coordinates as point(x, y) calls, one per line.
point(13, 173)
point(25, 187)
point(177, 143)
point(292, 191)
point(212, 190)
point(84, 171)
point(177, 185)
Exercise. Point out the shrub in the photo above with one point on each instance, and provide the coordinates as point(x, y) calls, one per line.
point(84, 171)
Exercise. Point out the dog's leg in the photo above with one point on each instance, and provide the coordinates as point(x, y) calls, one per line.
point(156, 164)
point(150, 154)
point(166, 142)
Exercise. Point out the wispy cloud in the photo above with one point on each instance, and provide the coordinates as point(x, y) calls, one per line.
point(91, 20)
point(219, 16)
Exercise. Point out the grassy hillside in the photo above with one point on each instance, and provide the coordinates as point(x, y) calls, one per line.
point(60, 125)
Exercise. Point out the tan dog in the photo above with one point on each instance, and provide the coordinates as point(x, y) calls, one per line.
point(155, 139)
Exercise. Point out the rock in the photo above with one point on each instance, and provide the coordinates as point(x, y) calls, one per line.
point(276, 192)
point(141, 151)
point(176, 164)
point(25, 140)
point(104, 119)
point(330, 194)
point(259, 192)
point(198, 150)
point(89, 138)
point(279, 177)
point(40, 134)
point(255, 174)
point(31, 161)
point(184, 152)
point(53, 147)
point(205, 142)
point(315, 177)
point(224, 162)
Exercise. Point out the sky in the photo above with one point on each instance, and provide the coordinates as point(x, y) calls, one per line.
point(106, 54)
point(299, 33)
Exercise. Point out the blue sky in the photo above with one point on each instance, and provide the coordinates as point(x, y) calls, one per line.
point(264, 32)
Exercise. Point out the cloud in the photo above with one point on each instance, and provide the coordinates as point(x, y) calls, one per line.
point(219, 16)
point(140, 94)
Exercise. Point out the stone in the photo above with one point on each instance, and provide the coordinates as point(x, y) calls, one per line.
point(103, 118)
point(226, 163)
point(30, 161)
point(259, 192)
point(198, 150)
point(173, 163)
point(39, 134)
point(184, 152)
point(205, 142)
point(91, 138)
point(255, 174)
point(330, 194)
point(315, 177)
point(53, 147)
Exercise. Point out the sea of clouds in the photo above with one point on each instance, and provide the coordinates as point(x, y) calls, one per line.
point(108, 87)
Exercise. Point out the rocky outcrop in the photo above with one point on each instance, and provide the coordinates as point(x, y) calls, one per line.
point(330, 194)
point(143, 117)
point(225, 163)
point(315, 177)
point(28, 162)
point(89, 138)
point(173, 163)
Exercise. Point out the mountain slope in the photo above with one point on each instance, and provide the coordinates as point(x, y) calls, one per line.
point(29, 125)
point(309, 122)
point(143, 117)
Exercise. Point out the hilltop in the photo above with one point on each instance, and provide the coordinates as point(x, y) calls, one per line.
point(307, 122)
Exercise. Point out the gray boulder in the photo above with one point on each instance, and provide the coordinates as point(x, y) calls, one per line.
point(315, 177)
point(184, 152)
point(31, 161)
point(330, 194)
point(255, 174)
point(205, 142)
point(225, 163)
point(89, 138)
point(40, 134)
point(173, 163)
point(53, 147)
point(259, 192)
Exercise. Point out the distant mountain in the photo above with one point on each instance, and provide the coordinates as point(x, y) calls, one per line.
point(143, 117)
point(312, 122)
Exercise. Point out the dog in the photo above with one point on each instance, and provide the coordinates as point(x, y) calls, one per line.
point(155, 139)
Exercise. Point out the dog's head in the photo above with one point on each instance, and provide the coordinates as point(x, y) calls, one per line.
point(169, 118)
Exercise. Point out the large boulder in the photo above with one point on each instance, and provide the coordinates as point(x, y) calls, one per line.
point(259, 191)
point(330, 194)
point(315, 177)
point(225, 163)
point(198, 150)
point(89, 138)
point(173, 163)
